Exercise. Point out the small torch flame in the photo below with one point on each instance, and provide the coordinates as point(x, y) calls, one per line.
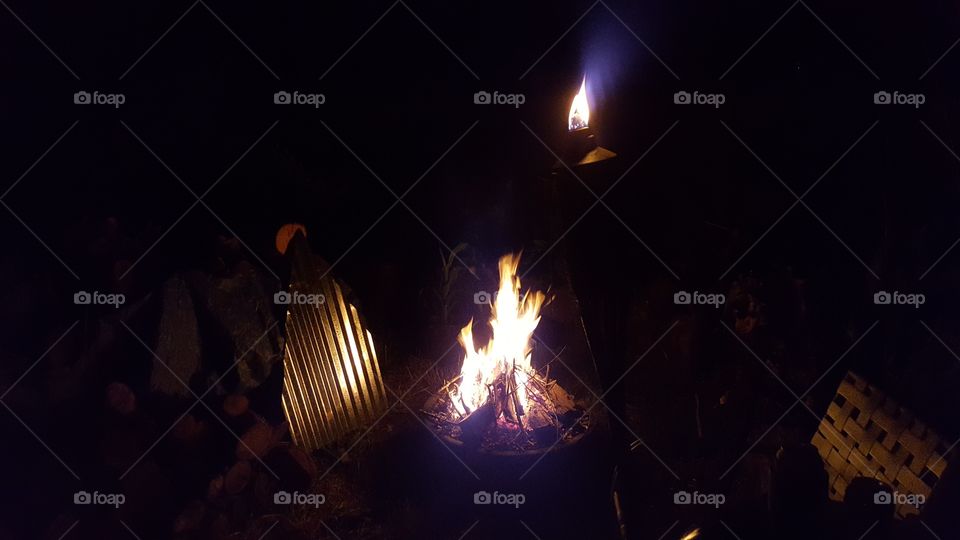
point(579, 110)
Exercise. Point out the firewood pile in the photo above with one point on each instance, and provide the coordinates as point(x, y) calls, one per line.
point(503, 424)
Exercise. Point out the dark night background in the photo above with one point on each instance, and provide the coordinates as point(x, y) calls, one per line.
point(201, 99)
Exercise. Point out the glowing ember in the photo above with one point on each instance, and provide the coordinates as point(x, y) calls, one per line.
point(579, 110)
point(501, 371)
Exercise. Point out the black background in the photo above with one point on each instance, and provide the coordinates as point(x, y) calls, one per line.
point(403, 94)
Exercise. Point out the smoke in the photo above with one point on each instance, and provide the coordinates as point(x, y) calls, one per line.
point(609, 50)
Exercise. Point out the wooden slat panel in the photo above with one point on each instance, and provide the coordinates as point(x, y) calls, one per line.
point(332, 381)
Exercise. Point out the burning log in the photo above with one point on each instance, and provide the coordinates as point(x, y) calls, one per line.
point(499, 401)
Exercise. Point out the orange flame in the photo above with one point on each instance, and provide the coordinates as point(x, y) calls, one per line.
point(579, 109)
point(507, 354)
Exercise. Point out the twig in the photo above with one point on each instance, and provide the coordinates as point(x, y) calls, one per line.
point(512, 390)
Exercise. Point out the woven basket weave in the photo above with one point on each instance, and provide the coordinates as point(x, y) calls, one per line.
point(865, 433)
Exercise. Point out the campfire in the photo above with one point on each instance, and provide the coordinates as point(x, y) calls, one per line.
point(499, 400)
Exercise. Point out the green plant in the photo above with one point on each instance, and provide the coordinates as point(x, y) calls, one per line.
point(449, 273)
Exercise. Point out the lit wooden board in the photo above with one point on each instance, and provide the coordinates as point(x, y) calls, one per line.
point(332, 380)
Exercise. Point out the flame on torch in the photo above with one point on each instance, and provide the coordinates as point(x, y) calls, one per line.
point(579, 110)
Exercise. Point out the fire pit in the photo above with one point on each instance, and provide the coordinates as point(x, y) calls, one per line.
point(500, 403)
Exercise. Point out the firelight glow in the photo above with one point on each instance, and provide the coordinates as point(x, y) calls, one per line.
point(507, 354)
point(579, 110)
